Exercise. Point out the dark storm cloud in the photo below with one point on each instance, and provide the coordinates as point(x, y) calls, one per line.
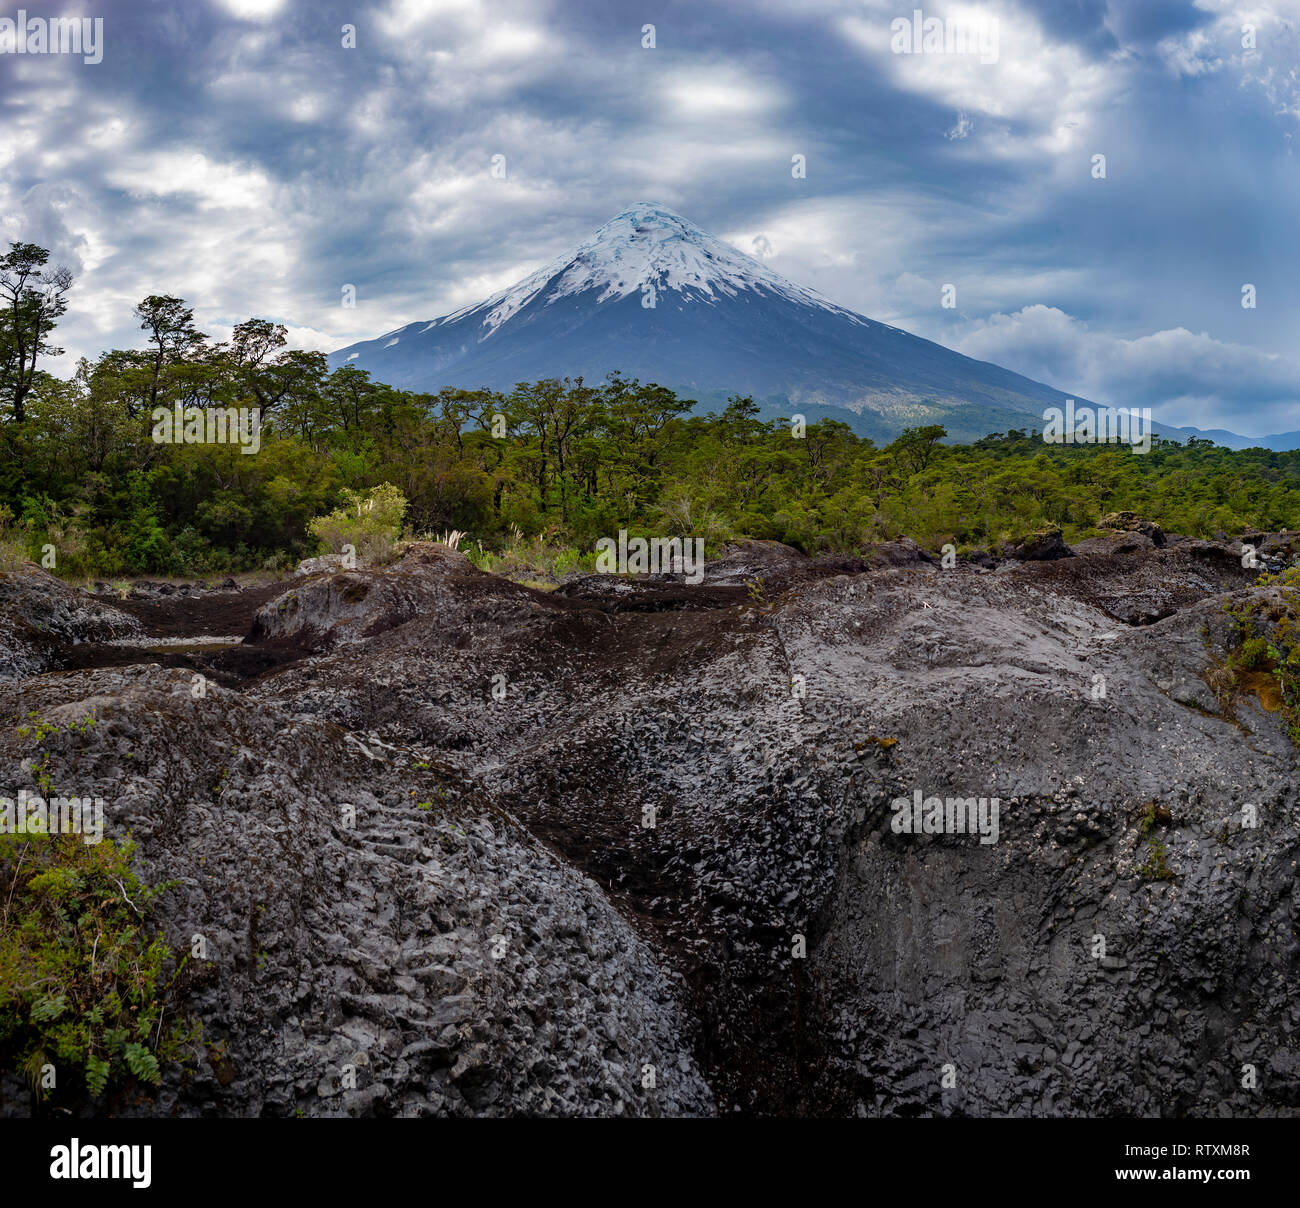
point(1081, 21)
point(237, 154)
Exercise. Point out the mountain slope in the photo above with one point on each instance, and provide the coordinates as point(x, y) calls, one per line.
point(720, 323)
point(1280, 442)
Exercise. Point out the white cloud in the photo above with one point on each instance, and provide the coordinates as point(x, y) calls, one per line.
point(716, 90)
point(1187, 377)
point(252, 10)
point(1043, 92)
point(963, 127)
point(211, 185)
point(1259, 43)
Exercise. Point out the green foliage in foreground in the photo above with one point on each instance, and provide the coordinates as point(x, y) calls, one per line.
point(83, 981)
point(1266, 657)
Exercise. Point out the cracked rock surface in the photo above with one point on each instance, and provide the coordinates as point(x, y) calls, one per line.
point(358, 907)
point(675, 803)
point(40, 616)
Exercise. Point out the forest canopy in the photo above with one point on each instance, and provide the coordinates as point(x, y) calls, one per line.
point(565, 462)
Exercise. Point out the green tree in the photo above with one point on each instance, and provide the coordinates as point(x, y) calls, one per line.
point(170, 324)
point(32, 299)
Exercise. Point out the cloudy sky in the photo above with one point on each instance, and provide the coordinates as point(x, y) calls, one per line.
point(235, 152)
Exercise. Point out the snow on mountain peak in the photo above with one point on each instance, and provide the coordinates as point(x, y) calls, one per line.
point(645, 245)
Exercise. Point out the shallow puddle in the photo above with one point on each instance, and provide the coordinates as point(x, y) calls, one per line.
point(197, 644)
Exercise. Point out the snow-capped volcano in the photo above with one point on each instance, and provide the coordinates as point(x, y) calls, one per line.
point(645, 245)
point(655, 297)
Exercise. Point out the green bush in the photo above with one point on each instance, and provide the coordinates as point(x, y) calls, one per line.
point(1268, 643)
point(84, 982)
point(370, 521)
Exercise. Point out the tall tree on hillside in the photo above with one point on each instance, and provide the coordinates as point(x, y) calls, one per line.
point(829, 444)
point(914, 447)
point(296, 379)
point(638, 421)
point(255, 353)
point(170, 324)
point(121, 376)
point(569, 407)
point(32, 298)
point(351, 398)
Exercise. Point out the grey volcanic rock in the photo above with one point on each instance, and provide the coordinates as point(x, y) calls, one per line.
point(765, 739)
point(40, 613)
point(946, 952)
point(1045, 546)
point(902, 552)
point(361, 907)
point(1283, 545)
point(1131, 522)
point(347, 606)
point(326, 564)
point(744, 571)
point(1117, 543)
point(1142, 585)
point(712, 771)
point(743, 561)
